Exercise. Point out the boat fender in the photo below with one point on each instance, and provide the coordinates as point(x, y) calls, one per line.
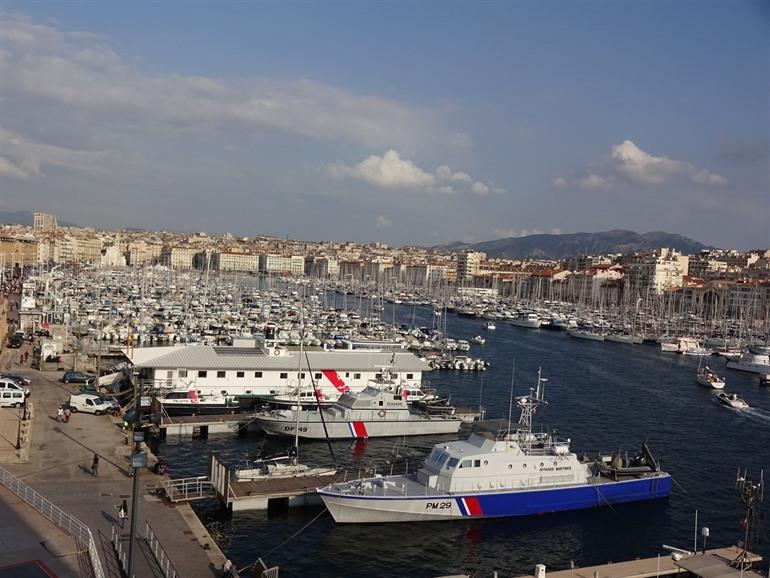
point(381, 413)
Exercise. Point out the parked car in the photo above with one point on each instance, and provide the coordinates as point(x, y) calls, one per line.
point(90, 403)
point(24, 381)
point(77, 377)
point(12, 394)
point(16, 342)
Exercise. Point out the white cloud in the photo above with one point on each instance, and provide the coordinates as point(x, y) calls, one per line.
point(508, 233)
point(704, 177)
point(8, 169)
point(81, 72)
point(29, 157)
point(391, 171)
point(387, 171)
point(630, 164)
point(382, 222)
point(480, 188)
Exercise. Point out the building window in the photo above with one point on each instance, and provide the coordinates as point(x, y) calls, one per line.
point(170, 374)
point(284, 376)
point(203, 373)
point(377, 376)
point(317, 376)
point(240, 374)
point(220, 374)
point(356, 376)
point(182, 373)
point(258, 374)
point(410, 375)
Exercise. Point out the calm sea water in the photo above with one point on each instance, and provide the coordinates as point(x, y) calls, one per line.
point(604, 396)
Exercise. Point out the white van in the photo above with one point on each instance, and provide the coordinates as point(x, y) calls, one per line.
point(12, 394)
point(89, 403)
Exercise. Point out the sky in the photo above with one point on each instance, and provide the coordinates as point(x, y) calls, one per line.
point(401, 122)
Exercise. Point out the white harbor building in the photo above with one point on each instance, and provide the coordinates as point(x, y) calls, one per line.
point(249, 372)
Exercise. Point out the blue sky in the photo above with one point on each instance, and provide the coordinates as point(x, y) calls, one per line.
point(401, 122)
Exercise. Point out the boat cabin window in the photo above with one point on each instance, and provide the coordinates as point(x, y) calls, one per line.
point(248, 392)
point(203, 373)
point(381, 402)
point(396, 397)
point(182, 373)
point(301, 375)
point(257, 374)
point(452, 463)
point(284, 375)
point(377, 376)
point(356, 376)
point(316, 376)
point(220, 374)
point(467, 464)
point(240, 374)
point(410, 375)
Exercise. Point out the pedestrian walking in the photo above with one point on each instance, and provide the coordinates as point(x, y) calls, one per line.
point(59, 413)
point(95, 466)
point(67, 414)
point(123, 514)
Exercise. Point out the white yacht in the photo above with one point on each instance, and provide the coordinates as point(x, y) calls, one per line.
point(371, 413)
point(530, 320)
point(479, 339)
point(755, 360)
point(732, 400)
point(708, 378)
point(490, 326)
point(512, 472)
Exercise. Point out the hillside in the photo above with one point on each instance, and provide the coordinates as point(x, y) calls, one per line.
point(573, 244)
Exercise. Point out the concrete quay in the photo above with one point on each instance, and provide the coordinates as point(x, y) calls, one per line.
point(58, 467)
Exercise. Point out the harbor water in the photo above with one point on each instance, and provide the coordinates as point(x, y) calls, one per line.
point(603, 396)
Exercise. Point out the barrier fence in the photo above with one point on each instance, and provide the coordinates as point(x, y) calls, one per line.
point(67, 522)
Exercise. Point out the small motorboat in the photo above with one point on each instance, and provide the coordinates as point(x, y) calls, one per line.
point(764, 379)
point(708, 378)
point(479, 339)
point(732, 400)
point(490, 326)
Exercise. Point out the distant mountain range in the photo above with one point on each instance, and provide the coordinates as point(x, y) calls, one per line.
point(24, 218)
point(574, 244)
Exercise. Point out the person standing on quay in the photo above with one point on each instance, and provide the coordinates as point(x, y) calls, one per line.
point(67, 414)
point(60, 414)
point(123, 514)
point(95, 466)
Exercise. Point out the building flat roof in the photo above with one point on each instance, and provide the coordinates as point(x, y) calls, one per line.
point(235, 358)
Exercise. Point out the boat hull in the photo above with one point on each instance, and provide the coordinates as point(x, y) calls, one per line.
point(355, 509)
point(360, 429)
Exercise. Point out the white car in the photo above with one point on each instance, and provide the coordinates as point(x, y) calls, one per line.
point(90, 403)
point(12, 394)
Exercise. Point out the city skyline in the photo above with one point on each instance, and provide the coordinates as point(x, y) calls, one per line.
point(463, 122)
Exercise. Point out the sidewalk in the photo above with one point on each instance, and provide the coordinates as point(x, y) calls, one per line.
point(59, 468)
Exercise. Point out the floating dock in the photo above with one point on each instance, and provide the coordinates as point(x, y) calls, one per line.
point(200, 426)
point(261, 494)
point(713, 563)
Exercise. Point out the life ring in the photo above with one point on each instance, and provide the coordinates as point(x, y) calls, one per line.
point(381, 413)
point(276, 352)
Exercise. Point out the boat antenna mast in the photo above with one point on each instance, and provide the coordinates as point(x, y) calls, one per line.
point(752, 495)
point(529, 403)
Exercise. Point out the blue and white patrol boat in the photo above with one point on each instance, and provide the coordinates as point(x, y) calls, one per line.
point(508, 472)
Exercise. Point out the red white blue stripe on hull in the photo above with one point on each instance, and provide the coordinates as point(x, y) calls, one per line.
point(354, 508)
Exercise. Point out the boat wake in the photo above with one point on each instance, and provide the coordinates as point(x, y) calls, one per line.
point(756, 413)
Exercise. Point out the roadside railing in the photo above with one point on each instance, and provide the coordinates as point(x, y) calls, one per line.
point(67, 522)
point(120, 552)
point(159, 553)
point(185, 489)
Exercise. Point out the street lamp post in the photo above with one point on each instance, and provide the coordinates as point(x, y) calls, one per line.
point(138, 462)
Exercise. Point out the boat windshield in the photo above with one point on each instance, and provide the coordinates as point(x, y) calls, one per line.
point(452, 463)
